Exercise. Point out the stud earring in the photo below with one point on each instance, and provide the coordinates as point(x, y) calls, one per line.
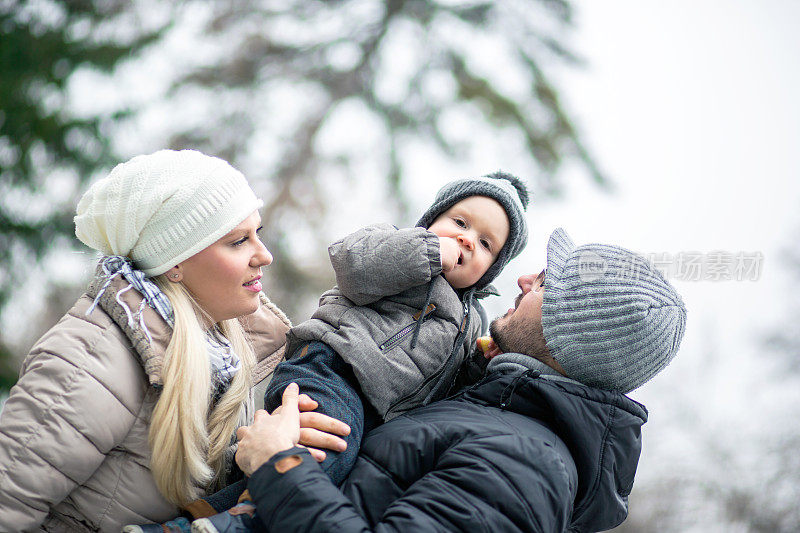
point(174, 276)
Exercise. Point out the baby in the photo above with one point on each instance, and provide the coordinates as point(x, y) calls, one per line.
point(393, 333)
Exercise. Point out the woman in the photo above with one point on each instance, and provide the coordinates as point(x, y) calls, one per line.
point(118, 417)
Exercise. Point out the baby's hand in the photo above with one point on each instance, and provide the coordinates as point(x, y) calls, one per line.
point(488, 347)
point(449, 250)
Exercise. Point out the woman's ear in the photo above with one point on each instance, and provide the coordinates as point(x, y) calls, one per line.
point(175, 274)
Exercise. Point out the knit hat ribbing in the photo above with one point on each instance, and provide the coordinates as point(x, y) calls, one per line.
point(162, 208)
point(509, 191)
point(610, 319)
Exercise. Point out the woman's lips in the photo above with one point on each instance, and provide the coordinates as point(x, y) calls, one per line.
point(253, 285)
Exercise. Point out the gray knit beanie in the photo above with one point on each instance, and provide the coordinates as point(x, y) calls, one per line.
point(509, 191)
point(610, 319)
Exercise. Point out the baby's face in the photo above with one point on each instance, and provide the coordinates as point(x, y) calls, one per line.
point(480, 226)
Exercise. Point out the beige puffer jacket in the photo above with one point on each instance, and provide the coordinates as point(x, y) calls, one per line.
point(73, 433)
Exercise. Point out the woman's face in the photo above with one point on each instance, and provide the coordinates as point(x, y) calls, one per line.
point(224, 278)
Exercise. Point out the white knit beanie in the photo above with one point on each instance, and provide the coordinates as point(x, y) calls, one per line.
point(162, 208)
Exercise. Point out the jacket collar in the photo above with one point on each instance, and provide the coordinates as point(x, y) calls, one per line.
point(488, 290)
point(510, 362)
point(150, 350)
point(265, 328)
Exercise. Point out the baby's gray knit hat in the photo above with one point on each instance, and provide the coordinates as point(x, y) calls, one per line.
point(610, 319)
point(509, 191)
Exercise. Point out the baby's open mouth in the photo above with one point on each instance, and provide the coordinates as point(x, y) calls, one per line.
point(460, 259)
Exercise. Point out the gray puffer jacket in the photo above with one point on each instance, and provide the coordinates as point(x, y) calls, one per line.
point(384, 278)
point(74, 454)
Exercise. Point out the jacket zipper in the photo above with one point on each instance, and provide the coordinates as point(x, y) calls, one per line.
point(435, 375)
point(395, 339)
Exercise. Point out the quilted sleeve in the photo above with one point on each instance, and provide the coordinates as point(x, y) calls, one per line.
point(381, 260)
point(66, 412)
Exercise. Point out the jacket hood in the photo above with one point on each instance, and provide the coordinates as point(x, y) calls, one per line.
point(601, 429)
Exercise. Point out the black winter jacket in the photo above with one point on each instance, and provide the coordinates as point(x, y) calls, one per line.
point(518, 451)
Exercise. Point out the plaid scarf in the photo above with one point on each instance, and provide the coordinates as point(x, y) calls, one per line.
point(223, 360)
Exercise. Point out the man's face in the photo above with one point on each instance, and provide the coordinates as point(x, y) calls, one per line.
point(520, 329)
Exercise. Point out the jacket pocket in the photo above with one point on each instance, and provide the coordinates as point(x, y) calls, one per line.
point(398, 337)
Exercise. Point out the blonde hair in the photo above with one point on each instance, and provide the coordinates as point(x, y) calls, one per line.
point(188, 439)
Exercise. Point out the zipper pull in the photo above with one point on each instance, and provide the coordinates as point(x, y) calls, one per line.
point(428, 310)
point(464, 318)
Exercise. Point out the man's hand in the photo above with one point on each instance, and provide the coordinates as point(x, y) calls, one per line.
point(449, 250)
point(320, 431)
point(269, 434)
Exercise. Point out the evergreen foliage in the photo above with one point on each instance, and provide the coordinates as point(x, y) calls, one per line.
point(42, 44)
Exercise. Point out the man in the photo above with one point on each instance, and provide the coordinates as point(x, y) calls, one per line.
point(545, 441)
